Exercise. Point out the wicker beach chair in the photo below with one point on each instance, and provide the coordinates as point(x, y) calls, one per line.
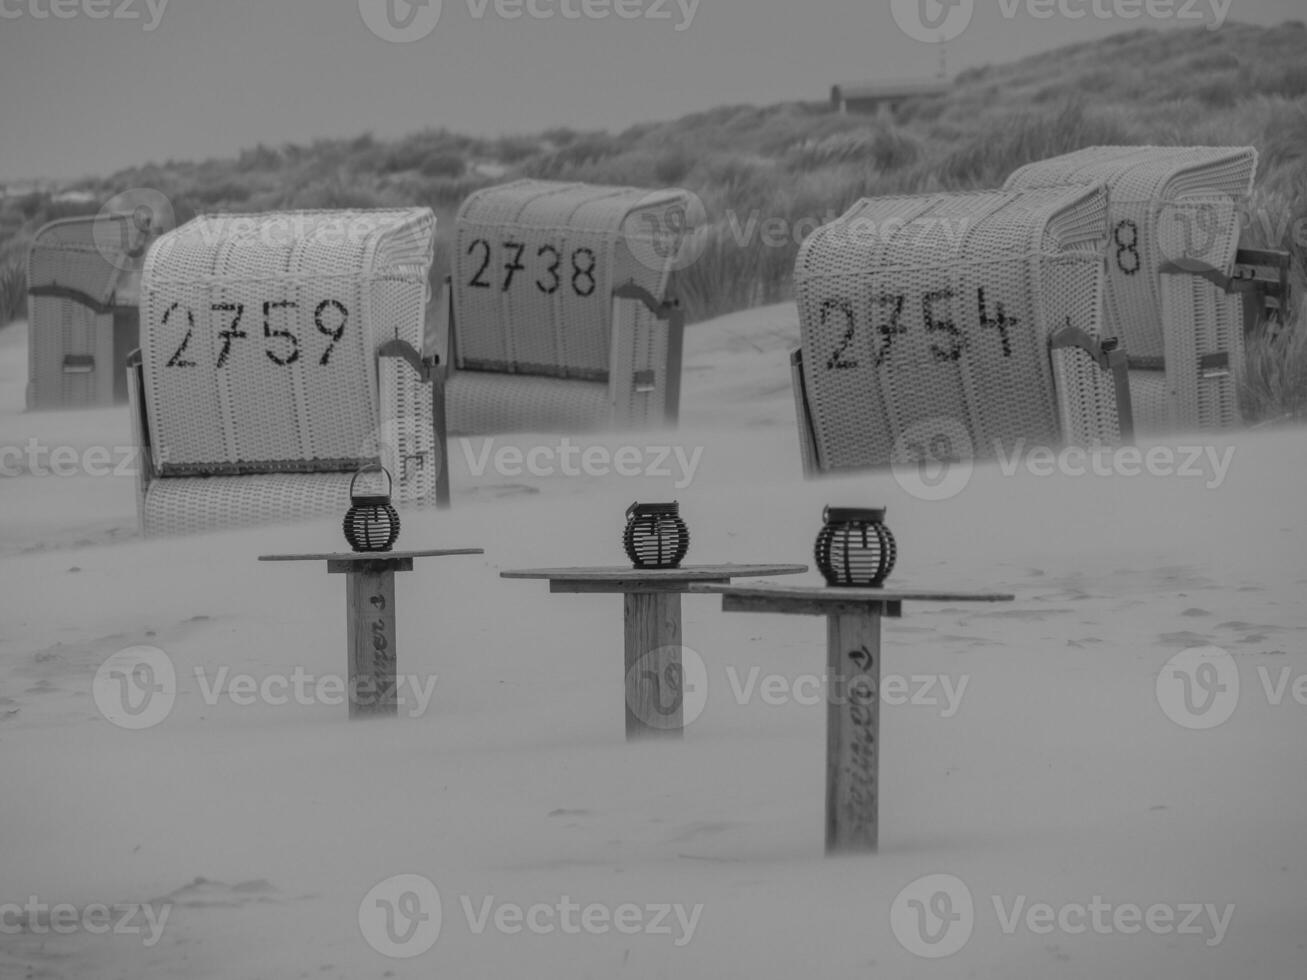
point(941, 319)
point(82, 277)
point(557, 316)
point(1173, 221)
point(279, 352)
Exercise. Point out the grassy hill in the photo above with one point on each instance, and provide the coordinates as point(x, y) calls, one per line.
point(791, 167)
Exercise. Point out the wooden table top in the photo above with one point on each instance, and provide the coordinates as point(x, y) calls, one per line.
point(830, 593)
point(687, 573)
point(365, 556)
point(829, 600)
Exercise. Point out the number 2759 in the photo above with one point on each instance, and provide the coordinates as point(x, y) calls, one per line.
point(282, 345)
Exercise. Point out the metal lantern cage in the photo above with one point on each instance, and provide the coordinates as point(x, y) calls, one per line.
point(655, 535)
point(371, 523)
point(854, 548)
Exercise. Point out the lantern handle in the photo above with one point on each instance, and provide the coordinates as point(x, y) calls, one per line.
point(373, 468)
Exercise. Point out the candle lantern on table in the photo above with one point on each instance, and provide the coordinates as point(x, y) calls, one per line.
point(854, 548)
point(371, 523)
point(655, 535)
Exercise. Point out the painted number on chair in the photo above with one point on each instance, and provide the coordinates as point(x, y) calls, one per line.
point(1126, 238)
point(288, 332)
point(887, 326)
point(548, 270)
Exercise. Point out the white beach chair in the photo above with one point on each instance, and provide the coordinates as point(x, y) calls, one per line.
point(1172, 212)
point(558, 317)
point(963, 317)
point(82, 276)
point(279, 352)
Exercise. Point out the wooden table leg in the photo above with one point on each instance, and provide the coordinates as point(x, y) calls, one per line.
point(654, 679)
point(370, 600)
point(852, 732)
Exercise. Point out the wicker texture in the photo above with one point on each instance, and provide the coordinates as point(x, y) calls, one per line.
point(915, 309)
point(194, 505)
point(293, 386)
point(75, 254)
point(535, 265)
point(1168, 204)
point(479, 403)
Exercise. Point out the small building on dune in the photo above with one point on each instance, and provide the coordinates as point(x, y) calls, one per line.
point(876, 98)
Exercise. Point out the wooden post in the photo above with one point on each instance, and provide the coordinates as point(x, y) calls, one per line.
point(655, 702)
point(852, 732)
point(370, 602)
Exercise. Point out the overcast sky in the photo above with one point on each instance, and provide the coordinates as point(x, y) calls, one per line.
point(190, 79)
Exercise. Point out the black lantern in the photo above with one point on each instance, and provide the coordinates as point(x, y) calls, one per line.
point(655, 535)
point(855, 548)
point(371, 523)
